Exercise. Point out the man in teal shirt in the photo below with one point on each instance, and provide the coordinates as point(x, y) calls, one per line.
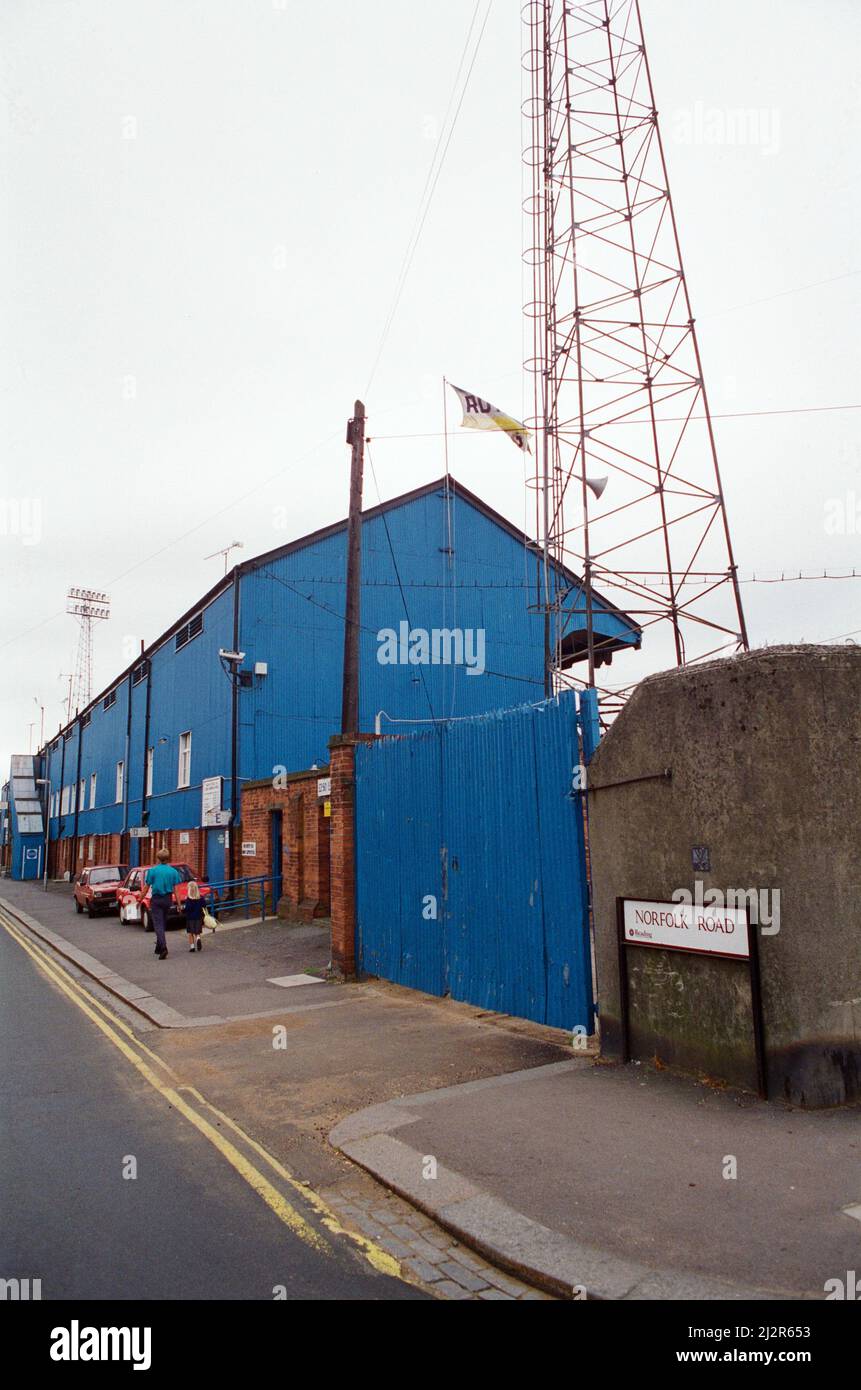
point(162, 878)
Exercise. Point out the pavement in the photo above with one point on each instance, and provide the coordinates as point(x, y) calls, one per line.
point(610, 1182)
point(481, 1153)
point(182, 992)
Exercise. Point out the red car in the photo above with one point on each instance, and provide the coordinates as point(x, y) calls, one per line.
point(96, 888)
point(133, 895)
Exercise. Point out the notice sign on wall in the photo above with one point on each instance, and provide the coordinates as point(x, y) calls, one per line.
point(720, 931)
point(210, 798)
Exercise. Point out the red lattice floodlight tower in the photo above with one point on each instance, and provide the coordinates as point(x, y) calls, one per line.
point(618, 382)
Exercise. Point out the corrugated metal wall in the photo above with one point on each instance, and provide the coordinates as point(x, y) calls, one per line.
point(480, 817)
point(292, 618)
point(453, 567)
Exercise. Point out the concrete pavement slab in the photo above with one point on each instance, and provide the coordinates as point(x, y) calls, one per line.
point(626, 1181)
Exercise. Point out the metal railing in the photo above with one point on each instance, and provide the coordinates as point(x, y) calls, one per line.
point(240, 893)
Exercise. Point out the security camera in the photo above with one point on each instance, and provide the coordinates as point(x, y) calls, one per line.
point(231, 656)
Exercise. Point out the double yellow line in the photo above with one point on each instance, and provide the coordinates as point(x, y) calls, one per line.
point(152, 1068)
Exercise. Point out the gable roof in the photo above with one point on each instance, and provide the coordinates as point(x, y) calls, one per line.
point(314, 537)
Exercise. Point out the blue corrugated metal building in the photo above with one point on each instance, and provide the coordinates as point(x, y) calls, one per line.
point(436, 560)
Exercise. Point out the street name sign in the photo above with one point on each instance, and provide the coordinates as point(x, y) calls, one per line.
point(719, 931)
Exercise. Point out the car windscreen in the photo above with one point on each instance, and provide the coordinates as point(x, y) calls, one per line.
point(107, 875)
point(185, 874)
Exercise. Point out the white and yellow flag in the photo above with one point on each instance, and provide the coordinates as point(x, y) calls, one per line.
point(481, 415)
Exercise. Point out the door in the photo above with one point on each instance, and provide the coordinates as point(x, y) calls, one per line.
point(31, 861)
point(215, 856)
point(276, 841)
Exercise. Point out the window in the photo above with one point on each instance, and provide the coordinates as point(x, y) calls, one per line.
point(120, 779)
point(139, 673)
point(92, 846)
point(85, 719)
point(80, 849)
point(109, 700)
point(184, 777)
point(105, 875)
point(82, 795)
point(150, 754)
point(64, 808)
point(190, 629)
point(92, 791)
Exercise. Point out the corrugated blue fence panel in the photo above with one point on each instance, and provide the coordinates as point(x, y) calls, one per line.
point(401, 839)
point(480, 817)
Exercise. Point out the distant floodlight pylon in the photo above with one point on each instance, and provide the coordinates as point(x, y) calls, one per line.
point(88, 606)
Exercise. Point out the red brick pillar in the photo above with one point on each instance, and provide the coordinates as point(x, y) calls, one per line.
point(343, 865)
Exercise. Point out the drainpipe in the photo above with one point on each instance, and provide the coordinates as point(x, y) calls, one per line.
point(77, 791)
point(234, 731)
point(61, 820)
point(128, 767)
point(144, 811)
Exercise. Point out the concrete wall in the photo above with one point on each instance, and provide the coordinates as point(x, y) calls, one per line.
point(765, 753)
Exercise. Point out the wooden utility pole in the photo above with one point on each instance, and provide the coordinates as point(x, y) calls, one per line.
point(350, 699)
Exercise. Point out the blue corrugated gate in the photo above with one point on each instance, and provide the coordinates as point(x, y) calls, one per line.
point(470, 864)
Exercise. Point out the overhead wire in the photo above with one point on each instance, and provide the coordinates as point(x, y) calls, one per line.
point(431, 182)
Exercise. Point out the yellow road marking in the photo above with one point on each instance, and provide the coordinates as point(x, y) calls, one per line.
point(377, 1257)
point(53, 965)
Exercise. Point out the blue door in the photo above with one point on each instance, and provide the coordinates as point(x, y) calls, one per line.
point(215, 870)
point(30, 857)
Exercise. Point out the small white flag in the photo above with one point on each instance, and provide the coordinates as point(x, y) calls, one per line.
point(481, 415)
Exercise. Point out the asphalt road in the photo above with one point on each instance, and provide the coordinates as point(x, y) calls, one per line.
point(73, 1111)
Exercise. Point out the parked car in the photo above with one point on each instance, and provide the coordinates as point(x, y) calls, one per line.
point(96, 888)
point(133, 895)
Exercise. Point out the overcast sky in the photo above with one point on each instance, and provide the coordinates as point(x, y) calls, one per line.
point(205, 207)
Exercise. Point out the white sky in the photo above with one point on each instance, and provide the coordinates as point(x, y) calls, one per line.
point(237, 258)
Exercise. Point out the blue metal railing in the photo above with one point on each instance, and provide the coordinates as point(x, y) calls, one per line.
point(235, 893)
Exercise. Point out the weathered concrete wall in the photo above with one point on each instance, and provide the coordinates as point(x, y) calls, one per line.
point(765, 752)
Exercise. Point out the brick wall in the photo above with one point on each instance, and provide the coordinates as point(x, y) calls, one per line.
point(110, 849)
point(342, 759)
point(305, 832)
